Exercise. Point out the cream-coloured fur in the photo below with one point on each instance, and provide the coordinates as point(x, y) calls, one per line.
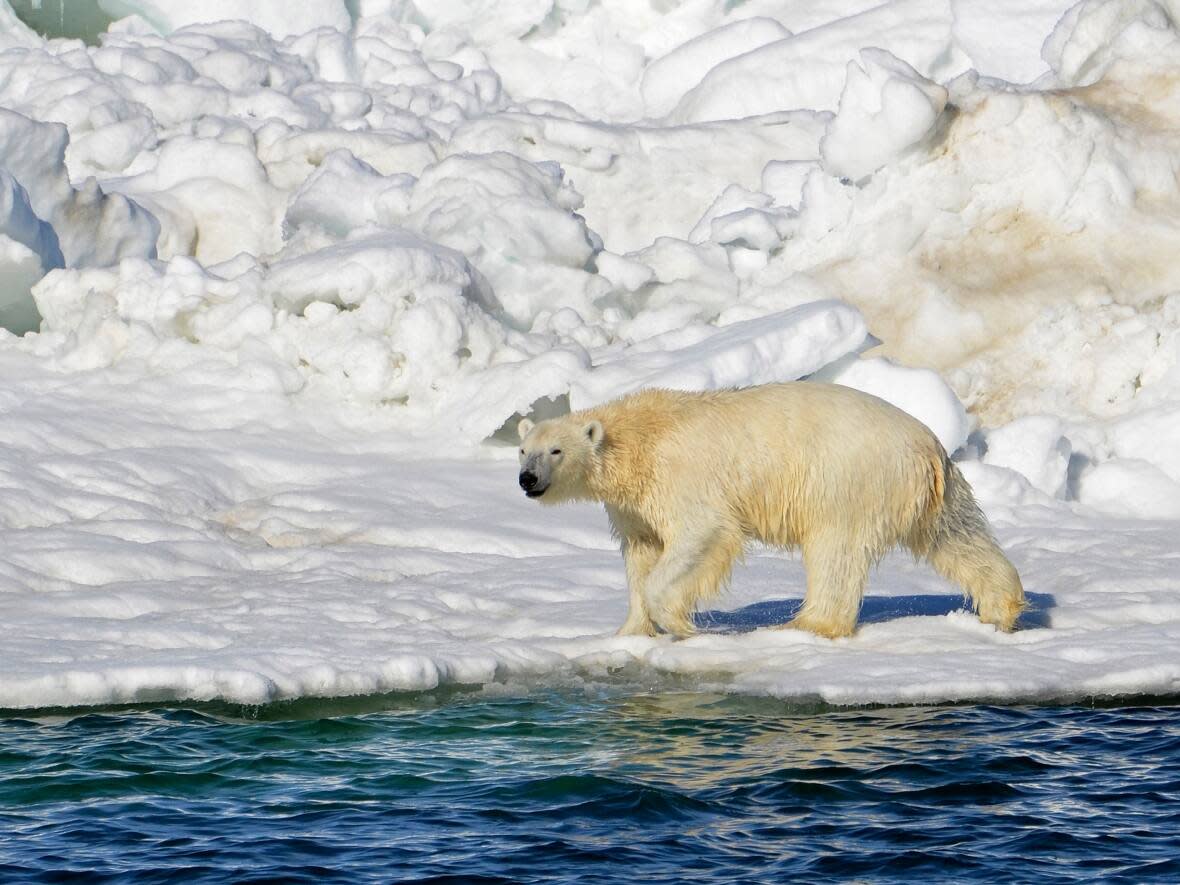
point(688, 478)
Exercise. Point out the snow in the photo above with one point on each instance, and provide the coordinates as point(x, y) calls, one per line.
point(807, 70)
point(921, 392)
point(289, 279)
point(886, 109)
point(1003, 38)
point(154, 554)
point(1037, 448)
point(1093, 35)
point(668, 78)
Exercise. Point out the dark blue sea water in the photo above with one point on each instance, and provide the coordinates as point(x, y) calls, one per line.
point(560, 787)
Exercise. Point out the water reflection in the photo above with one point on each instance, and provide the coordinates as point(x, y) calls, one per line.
point(597, 786)
point(700, 742)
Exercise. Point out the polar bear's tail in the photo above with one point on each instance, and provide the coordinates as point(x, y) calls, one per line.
point(961, 547)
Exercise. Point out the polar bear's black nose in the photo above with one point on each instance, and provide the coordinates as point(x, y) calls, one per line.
point(528, 480)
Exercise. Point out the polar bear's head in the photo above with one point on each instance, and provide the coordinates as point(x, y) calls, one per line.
point(555, 456)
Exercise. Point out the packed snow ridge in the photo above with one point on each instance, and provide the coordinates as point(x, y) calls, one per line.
point(276, 287)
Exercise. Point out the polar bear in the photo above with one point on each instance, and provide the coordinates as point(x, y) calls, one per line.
point(688, 478)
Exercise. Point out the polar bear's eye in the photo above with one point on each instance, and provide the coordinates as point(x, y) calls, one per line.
point(555, 452)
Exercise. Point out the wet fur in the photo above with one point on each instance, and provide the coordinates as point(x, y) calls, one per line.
point(688, 478)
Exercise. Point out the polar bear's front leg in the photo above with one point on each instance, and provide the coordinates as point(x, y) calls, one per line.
point(837, 569)
point(639, 558)
point(691, 568)
point(641, 552)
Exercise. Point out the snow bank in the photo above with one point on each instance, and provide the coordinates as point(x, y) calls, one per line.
point(361, 263)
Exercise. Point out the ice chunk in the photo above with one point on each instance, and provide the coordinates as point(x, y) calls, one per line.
point(394, 319)
point(1003, 38)
point(694, 283)
point(1037, 448)
point(886, 109)
point(1130, 487)
point(783, 181)
point(392, 264)
point(745, 221)
point(1093, 33)
point(808, 69)
point(345, 193)
point(216, 197)
point(515, 221)
point(93, 228)
point(14, 32)
point(779, 347)
point(625, 273)
point(667, 78)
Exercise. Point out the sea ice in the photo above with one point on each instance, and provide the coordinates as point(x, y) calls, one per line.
point(294, 277)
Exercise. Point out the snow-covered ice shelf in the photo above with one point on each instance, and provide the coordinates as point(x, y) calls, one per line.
point(154, 550)
point(293, 276)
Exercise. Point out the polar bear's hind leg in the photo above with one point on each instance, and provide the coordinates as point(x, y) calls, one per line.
point(962, 549)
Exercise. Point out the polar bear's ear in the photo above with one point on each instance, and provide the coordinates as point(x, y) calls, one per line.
point(594, 432)
point(524, 427)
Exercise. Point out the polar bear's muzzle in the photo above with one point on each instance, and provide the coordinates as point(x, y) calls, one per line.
point(531, 484)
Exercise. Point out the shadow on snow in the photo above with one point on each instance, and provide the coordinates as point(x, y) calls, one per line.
point(874, 610)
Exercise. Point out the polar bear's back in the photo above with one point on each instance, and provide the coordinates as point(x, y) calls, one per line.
point(785, 459)
point(796, 413)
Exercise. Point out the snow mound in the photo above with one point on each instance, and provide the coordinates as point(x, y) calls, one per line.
point(886, 108)
point(46, 223)
point(1035, 447)
point(920, 392)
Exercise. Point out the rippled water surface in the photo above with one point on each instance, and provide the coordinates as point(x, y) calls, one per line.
point(564, 788)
